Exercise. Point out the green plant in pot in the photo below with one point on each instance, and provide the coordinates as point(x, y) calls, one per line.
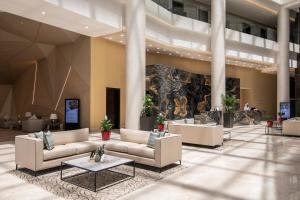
point(147, 119)
point(160, 122)
point(230, 103)
point(105, 127)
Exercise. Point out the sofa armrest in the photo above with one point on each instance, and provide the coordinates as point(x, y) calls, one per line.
point(29, 152)
point(168, 150)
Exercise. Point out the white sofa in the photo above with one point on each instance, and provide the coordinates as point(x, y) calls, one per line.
point(133, 145)
point(208, 135)
point(291, 127)
point(30, 152)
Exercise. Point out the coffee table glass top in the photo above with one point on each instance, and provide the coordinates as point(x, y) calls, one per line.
point(90, 165)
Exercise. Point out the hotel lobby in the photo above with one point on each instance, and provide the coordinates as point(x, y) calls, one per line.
point(149, 99)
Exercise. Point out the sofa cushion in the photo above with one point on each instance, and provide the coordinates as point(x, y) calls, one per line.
point(141, 150)
point(84, 147)
point(152, 138)
point(65, 137)
point(120, 146)
point(136, 136)
point(59, 151)
point(49, 140)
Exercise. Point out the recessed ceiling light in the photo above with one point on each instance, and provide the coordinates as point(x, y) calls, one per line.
point(86, 27)
point(157, 52)
point(150, 45)
point(121, 41)
point(43, 13)
point(122, 35)
point(157, 48)
point(110, 38)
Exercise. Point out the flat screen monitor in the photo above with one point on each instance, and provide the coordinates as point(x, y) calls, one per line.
point(72, 114)
point(285, 108)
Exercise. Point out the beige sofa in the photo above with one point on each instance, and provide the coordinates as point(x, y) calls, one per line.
point(208, 135)
point(133, 145)
point(291, 127)
point(30, 152)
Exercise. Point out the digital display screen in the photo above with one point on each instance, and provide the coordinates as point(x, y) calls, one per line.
point(285, 108)
point(72, 111)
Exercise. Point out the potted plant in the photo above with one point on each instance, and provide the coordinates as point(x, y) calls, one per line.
point(147, 119)
point(269, 120)
point(280, 118)
point(105, 127)
point(229, 103)
point(161, 122)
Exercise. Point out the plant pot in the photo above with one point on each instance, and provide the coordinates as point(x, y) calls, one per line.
point(269, 123)
point(228, 120)
point(147, 123)
point(161, 127)
point(105, 135)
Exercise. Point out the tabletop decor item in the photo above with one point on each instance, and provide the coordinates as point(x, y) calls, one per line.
point(99, 154)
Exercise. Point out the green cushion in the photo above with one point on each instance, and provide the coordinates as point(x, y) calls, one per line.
point(49, 140)
point(162, 134)
point(39, 135)
point(151, 140)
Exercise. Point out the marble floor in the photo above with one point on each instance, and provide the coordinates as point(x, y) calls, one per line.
point(250, 166)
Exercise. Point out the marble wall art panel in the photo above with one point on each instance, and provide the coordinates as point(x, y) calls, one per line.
point(180, 94)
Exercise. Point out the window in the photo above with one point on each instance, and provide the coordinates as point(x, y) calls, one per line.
point(203, 15)
point(246, 28)
point(263, 33)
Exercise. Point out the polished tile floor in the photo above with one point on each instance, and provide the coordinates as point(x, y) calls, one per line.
point(250, 166)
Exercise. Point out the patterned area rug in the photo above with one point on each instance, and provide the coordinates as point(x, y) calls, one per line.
point(50, 181)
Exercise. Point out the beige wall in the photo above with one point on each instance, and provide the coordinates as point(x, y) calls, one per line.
point(5, 100)
point(107, 70)
point(51, 75)
point(260, 86)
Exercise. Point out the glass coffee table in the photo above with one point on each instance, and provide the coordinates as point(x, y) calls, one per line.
point(93, 170)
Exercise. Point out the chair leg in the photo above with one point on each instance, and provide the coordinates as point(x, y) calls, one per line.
point(16, 166)
point(179, 162)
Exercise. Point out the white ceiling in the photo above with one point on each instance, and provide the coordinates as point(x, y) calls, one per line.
point(87, 17)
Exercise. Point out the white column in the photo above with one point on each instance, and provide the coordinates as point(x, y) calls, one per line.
point(218, 15)
point(283, 32)
point(135, 61)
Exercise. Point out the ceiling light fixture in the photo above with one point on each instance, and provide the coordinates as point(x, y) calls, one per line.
point(43, 13)
point(122, 35)
point(86, 27)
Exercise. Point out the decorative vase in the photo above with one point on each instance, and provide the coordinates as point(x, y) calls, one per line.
point(97, 157)
point(269, 123)
point(160, 127)
point(105, 135)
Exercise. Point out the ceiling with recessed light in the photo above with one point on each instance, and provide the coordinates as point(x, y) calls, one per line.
point(23, 41)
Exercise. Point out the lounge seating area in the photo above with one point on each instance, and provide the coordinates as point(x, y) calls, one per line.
point(150, 100)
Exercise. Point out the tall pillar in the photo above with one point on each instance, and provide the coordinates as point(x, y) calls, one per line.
point(218, 15)
point(135, 61)
point(283, 32)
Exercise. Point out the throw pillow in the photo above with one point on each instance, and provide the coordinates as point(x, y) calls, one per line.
point(39, 135)
point(162, 134)
point(151, 140)
point(49, 140)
